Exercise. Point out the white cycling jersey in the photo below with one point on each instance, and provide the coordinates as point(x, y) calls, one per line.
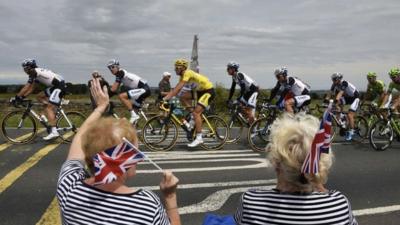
point(348, 88)
point(297, 86)
point(46, 77)
point(243, 80)
point(129, 80)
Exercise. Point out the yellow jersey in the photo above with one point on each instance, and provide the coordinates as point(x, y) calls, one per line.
point(192, 77)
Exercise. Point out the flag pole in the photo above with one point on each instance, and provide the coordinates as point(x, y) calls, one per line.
point(151, 161)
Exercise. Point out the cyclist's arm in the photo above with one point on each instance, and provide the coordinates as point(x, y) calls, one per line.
point(274, 91)
point(339, 96)
point(26, 90)
point(115, 87)
point(232, 90)
point(176, 90)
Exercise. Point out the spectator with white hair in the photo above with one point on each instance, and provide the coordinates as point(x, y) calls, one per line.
point(297, 198)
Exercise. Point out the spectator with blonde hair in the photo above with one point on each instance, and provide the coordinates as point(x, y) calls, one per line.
point(97, 199)
point(297, 198)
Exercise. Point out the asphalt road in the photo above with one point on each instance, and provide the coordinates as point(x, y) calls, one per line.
point(210, 181)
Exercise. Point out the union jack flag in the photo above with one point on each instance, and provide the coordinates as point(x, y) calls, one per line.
point(320, 144)
point(115, 161)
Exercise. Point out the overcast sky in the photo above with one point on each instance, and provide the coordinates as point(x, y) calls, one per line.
point(312, 38)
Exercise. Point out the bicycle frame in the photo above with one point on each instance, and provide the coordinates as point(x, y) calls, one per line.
point(176, 120)
point(236, 112)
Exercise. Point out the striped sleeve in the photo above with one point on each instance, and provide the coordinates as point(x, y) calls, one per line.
point(71, 172)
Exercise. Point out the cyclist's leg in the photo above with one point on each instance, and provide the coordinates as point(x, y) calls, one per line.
point(54, 100)
point(43, 97)
point(130, 99)
point(186, 98)
point(301, 100)
point(250, 101)
point(354, 103)
point(289, 103)
point(203, 101)
point(142, 94)
point(124, 98)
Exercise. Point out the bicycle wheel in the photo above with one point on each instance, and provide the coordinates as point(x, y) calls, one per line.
point(235, 130)
point(381, 135)
point(215, 132)
point(139, 127)
point(258, 135)
point(336, 130)
point(159, 133)
point(67, 128)
point(18, 127)
point(361, 127)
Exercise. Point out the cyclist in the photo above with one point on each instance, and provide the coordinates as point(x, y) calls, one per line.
point(345, 94)
point(394, 87)
point(205, 94)
point(294, 92)
point(137, 89)
point(51, 97)
point(375, 89)
point(248, 90)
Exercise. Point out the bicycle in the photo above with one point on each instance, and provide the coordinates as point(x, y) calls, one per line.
point(383, 130)
point(259, 131)
point(341, 125)
point(20, 126)
point(138, 124)
point(160, 133)
point(237, 120)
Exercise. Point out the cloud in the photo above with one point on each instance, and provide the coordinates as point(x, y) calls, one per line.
point(313, 38)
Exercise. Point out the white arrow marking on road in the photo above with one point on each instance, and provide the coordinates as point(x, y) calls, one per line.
point(216, 200)
point(262, 163)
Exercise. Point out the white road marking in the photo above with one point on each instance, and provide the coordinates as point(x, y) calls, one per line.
point(169, 157)
point(199, 152)
point(216, 184)
point(377, 210)
point(262, 164)
point(204, 160)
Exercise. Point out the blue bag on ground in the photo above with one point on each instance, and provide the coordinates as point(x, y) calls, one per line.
point(212, 219)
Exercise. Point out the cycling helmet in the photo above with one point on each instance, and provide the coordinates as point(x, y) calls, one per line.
point(233, 65)
point(29, 63)
point(394, 72)
point(336, 76)
point(112, 62)
point(281, 71)
point(182, 62)
point(371, 75)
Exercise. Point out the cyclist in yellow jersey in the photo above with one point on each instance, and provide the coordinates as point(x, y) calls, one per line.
point(205, 94)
